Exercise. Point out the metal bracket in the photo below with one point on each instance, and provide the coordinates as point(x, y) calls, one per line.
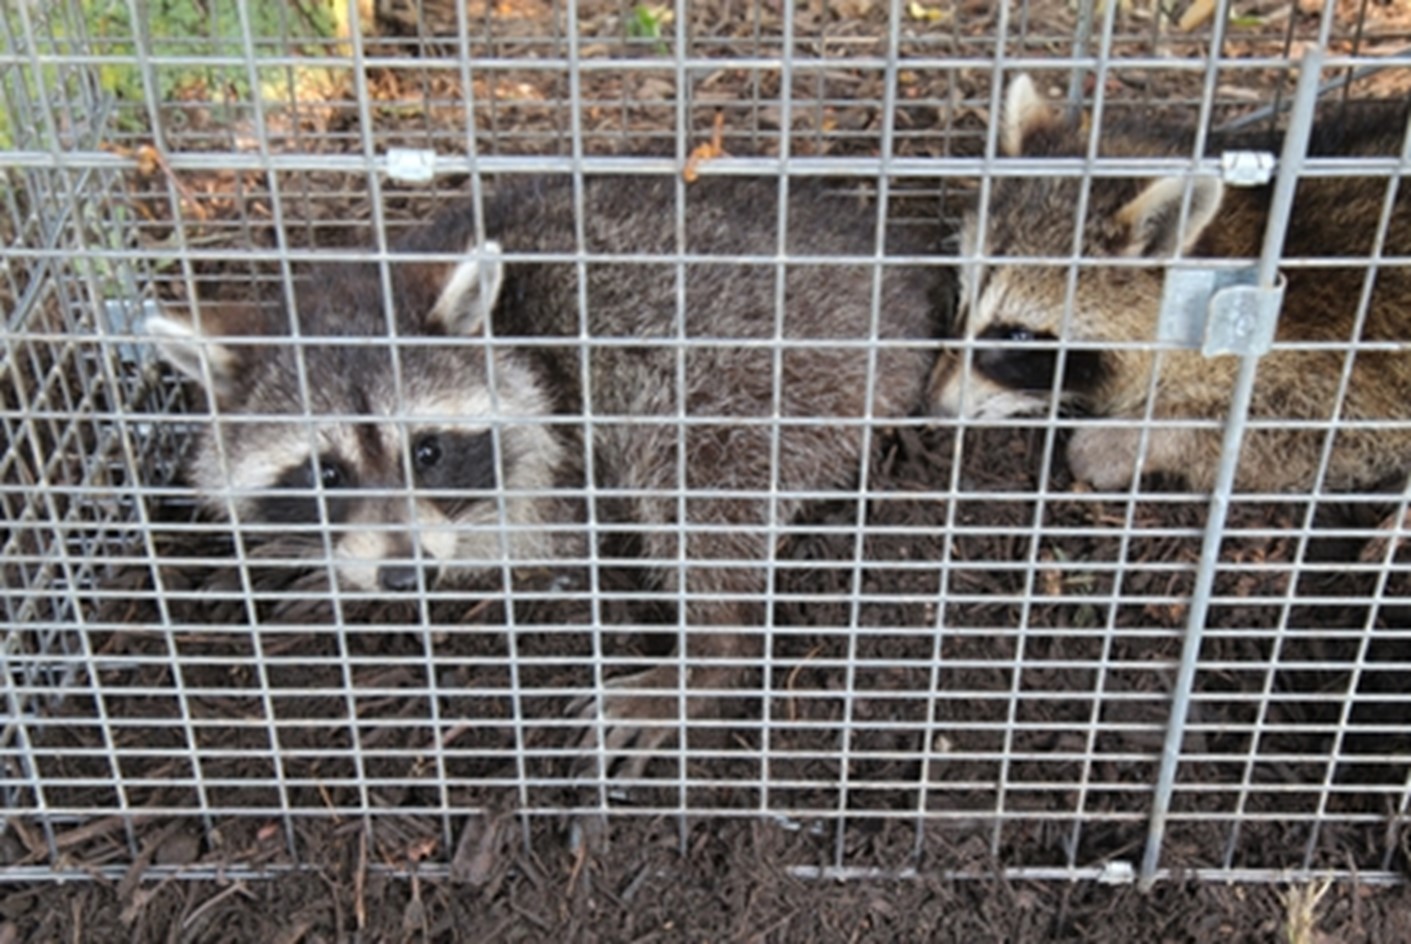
point(1117, 872)
point(1247, 168)
point(1219, 311)
point(412, 165)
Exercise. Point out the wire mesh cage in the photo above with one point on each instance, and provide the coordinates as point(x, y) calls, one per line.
point(783, 488)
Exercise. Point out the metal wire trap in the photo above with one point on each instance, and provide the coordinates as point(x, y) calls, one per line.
point(963, 660)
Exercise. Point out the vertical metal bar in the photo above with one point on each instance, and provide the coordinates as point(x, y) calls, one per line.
point(1082, 38)
point(683, 148)
point(859, 537)
point(600, 724)
point(1280, 209)
point(519, 716)
point(937, 743)
point(263, 663)
point(1100, 73)
point(879, 274)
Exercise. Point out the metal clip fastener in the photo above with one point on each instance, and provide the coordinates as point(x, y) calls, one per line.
point(413, 165)
point(1247, 168)
point(1219, 311)
point(1243, 319)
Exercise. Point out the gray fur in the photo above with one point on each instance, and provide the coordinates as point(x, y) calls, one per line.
point(636, 392)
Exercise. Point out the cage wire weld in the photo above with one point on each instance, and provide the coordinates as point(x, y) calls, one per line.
point(953, 455)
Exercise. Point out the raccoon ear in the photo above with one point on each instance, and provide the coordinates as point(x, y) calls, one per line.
point(1152, 219)
point(1026, 113)
point(470, 291)
point(193, 353)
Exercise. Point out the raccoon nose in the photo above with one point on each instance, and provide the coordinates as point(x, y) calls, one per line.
point(402, 578)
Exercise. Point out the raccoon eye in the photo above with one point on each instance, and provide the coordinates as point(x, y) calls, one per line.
point(299, 505)
point(1016, 333)
point(426, 452)
point(458, 462)
point(331, 474)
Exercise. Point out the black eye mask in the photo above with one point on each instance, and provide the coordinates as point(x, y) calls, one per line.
point(301, 505)
point(1019, 367)
point(442, 462)
point(451, 462)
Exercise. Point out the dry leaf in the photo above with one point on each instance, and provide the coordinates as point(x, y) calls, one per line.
point(927, 14)
point(712, 149)
point(1196, 15)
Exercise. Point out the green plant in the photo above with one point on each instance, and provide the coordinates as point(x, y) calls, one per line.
point(214, 30)
point(650, 22)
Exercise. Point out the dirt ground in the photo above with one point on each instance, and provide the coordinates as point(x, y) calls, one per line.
point(409, 876)
point(731, 887)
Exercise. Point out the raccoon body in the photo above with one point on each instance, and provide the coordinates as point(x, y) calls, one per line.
point(669, 382)
point(1025, 308)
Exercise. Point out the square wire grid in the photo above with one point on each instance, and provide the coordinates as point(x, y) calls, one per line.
point(967, 659)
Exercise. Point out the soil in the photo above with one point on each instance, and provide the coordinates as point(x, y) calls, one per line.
point(730, 873)
point(731, 886)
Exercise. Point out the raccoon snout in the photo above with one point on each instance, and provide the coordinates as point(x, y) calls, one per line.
point(388, 561)
point(404, 578)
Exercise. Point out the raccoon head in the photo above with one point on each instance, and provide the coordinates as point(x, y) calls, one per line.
point(1033, 329)
point(405, 445)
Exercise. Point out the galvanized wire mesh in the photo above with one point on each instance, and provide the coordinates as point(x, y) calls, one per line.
point(968, 662)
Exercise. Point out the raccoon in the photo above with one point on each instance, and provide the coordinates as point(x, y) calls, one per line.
point(508, 375)
point(1023, 308)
